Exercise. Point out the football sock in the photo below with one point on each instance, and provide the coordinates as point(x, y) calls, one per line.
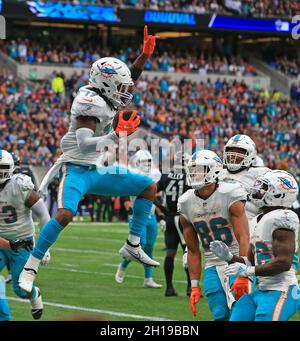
point(34, 295)
point(47, 238)
point(169, 268)
point(125, 263)
point(141, 211)
point(4, 307)
point(148, 269)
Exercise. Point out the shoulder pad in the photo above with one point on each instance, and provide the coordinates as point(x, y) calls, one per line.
point(286, 219)
point(185, 196)
point(258, 171)
point(23, 181)
point(228, 186)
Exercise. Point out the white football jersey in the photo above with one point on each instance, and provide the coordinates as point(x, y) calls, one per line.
point(86, 103)
point(246, 178)
point(211, 217)
point(15, 218)
point(155, 175)
point(261, 237)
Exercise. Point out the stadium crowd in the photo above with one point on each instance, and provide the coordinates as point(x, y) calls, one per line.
point(34, 117)
point(255, 8)
point(166, 57)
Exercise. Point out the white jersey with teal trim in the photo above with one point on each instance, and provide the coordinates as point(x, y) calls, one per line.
point(211, 218)
point(246, 178)
point(261, 238)
point(15, 218)
point(155, 175)
point(86, 103)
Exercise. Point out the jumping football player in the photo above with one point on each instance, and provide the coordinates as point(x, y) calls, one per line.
point(142, 163)
point(93, 110)
point(273, 255)
point(173, 185)
point(212, 210)
point(18, 200)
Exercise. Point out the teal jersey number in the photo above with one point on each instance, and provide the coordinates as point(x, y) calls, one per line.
point(218, 229)
point(263, 254)
point(13, 217)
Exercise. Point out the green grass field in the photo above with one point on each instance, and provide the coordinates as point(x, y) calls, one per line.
point(80, 281)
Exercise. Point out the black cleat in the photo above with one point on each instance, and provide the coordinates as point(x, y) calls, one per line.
point(171, 292)
point(37, 313)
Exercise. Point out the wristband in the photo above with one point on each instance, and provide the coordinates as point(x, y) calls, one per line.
point(194, 283)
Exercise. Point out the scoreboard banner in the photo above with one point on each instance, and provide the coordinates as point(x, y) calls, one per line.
point(128, 17)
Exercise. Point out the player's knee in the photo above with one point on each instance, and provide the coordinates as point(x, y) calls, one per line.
point(220, 313)
point(64, 217)
point(149, 193)
point(171, 254)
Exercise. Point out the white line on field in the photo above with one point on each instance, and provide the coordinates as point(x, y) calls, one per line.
point(109, 274)
point(94, 252)
point(92, 310)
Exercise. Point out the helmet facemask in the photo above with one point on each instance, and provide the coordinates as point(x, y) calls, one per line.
point(236, 159)
point(6, 172)
point(198, 176)
point(123, 95)
point(258, 193)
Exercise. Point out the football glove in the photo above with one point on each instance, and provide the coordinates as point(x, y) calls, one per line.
point(194, 298)
point(149, 42)
point(239, 269)
point(26, 244)
point(129, 126)
point(46, 259)
point(241, 286)
point(221, 250)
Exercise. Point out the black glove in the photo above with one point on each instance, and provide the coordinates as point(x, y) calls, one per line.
point(26, 244)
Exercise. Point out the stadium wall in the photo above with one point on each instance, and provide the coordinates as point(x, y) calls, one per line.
point(40, 72)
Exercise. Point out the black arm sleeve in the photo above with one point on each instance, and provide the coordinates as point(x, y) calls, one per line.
point(135, 72)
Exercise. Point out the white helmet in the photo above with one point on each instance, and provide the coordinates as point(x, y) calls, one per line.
point(259, 162)
point(7, 166)
point(142, 161)
point(274, 188)
point(237, 161)
point(203, 169)
point(113, 78)
point(180, 161)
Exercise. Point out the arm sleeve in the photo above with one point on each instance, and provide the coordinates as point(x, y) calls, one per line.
point(135, 72)
point(238, 194)
point(40, 210)
point(88, 143)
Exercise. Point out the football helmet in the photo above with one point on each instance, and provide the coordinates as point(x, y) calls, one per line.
point(274, 188)
point(113, 78)
point(7, 166)
point(203, 169)
point(142, 160)
point(236, 161)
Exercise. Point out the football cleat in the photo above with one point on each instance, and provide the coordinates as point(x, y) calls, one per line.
point(149, 283)
point(136, 253)
point(37, 305)
point(26, 279)
point(120, 275)
point(8, 279)
point(171, 292)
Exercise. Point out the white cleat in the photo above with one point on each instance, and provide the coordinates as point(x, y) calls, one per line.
point(37, 306)
point(149, 283)
point(136, 253)
point(120, 275)
point(26, 279)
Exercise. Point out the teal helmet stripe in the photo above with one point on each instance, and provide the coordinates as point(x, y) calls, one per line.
point(236, 138)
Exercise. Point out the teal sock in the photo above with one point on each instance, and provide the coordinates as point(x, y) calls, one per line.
point(148, 269)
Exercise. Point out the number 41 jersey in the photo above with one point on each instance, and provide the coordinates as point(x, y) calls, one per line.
point(211, 217)
point(15, 218)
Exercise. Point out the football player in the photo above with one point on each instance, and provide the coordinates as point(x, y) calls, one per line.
point(243, 165)
point(173, 185)
point(18, 200)
point(142, 163)
point(273, 255)
point(92, 112)
point(212, 210)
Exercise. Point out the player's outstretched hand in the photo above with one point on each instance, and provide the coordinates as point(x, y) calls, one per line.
point(149, 42)
point(129, 126)
point(26, 244)
point(194, 298)
point(221, 250)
